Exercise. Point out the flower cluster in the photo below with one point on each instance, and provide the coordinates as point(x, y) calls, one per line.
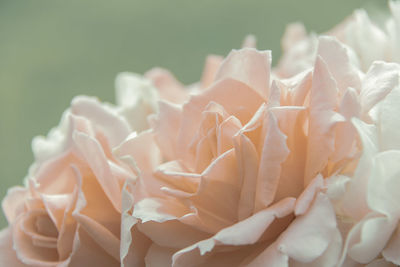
point(253, 166)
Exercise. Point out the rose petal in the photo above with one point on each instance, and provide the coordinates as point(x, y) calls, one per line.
point(337, 58)
point(7, 253)
point(323, 119)
point(249, 66)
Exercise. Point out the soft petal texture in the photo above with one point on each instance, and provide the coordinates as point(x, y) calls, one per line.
point(248, 165)
point(136, 98)
point(69, 212)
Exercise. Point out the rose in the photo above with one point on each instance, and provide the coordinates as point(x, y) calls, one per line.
point(69, 211)
point(367, 203)
point(237, 171)
point(367, 42)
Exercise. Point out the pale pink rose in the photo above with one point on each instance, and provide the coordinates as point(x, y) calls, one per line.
point(363, 199)
point(365, 40)
point(238, 173)
point(367, 202)
point(69, 212)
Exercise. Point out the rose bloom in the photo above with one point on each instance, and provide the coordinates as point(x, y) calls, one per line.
point(238, 174)
point(366, 42)
point(367, 202)
point(69, 212)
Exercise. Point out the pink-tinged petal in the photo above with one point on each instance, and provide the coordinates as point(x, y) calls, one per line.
point(56, 141)
point(249, 66)
point(138, 249)
point(273, 154)
point(245, 232)
point(242, 103)
point(159, 210)
point(13, 203)
point(337, 58)
point(86, 252)
point(142, 149)
point(7, 253)
point(134, 244)
point(248, 163)
point(172, 233)
point(166, 128)
point(27, 250)
point(291, 121)
point(68, 228)
point(391, 251)
point(161, 220)
point(274, 98)
point(44, 181)
point(306, 198)
point(250, 230)
point(380, 79)
point(103, 118)
point(93, 203)
point(222, 256)
point(159, 256)
point(323, 119)
point(218, 194)
point(309, 235)
point(168, 87)
point(225, 132)
point(211, 67)
point(102, 236)
point(97, 217)
point(301, 88)
point(177, 179)
point(56, 206)
point(95, 157)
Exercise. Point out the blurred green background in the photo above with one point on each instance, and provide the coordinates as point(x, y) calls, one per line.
point(52, 50)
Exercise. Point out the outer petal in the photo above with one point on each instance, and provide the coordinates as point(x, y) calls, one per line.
point(323, 119)
point(245, 232)
point(213, 63)
point(7, 253)
point(168, 87)
point(249, 66)
point(104, 118)
point(95, 157)
point(13, 203)
point(307, 237)
point(335, 55)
